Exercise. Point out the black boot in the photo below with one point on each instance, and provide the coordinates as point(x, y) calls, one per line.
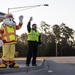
point(34, 64)
point(14, 65)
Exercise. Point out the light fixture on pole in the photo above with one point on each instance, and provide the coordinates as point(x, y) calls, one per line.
point(26, 7)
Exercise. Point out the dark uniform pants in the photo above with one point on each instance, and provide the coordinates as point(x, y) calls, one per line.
point(32, 52)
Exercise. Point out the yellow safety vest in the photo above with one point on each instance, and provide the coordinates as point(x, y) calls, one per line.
point(9, 33)
point(33, 35)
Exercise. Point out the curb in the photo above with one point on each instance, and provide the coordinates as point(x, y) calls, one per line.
point(43, 66)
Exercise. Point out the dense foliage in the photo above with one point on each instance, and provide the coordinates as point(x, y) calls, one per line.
point(57, 40)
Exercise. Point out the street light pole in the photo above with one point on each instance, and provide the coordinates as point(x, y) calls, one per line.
point(28, 7)
point(56, 47)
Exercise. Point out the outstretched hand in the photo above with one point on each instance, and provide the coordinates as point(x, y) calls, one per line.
point(21, 18)
point(31, 18)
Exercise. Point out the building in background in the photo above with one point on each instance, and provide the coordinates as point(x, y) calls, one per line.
point(1, 16)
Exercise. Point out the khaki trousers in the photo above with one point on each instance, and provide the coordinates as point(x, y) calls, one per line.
point(8, 52)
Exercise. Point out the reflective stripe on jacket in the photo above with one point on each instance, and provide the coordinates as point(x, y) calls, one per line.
point(9, 33)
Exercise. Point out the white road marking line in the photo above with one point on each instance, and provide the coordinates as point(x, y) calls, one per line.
point(50, 71)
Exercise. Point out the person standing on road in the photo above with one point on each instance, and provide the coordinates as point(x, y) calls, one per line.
point(33, 41)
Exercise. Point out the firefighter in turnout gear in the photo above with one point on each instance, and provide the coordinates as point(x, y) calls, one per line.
point(8, 40)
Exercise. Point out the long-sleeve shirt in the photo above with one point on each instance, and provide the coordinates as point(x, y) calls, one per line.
point(28, 26)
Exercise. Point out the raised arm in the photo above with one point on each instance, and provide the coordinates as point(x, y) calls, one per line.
point(29, 24)
point(20, 22)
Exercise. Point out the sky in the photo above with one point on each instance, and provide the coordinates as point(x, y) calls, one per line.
point(58, 11)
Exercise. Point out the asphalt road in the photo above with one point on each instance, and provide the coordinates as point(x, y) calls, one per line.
point(51, 66)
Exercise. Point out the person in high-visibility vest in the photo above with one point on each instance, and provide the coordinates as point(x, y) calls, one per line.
point(33, 41)
point(8, 40)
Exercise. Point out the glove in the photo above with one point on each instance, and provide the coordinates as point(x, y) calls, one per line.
point(1, 43)
point(21, 19)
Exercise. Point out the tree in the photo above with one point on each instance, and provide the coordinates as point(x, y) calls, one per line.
point(66, 33)
point(56, 31)
point(45, 32)
point(23, 38)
